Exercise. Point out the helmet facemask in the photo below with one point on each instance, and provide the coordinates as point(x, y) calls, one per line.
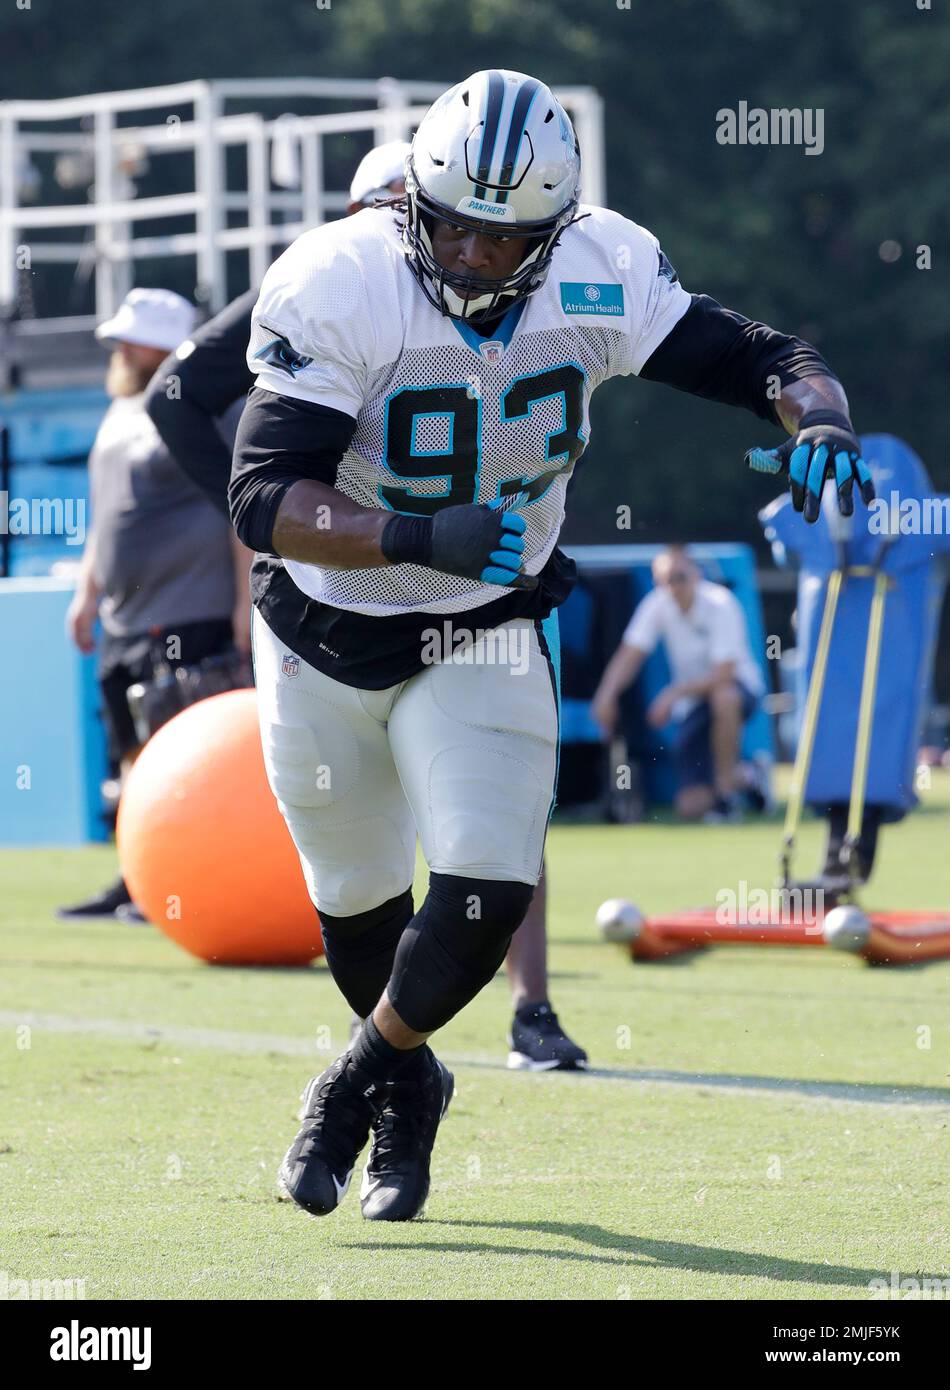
point(469, 297)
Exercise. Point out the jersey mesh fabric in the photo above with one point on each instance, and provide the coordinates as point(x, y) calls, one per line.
point(509, 450)
point(349, 303)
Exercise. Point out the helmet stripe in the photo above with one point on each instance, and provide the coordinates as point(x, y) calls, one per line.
point(526, 95)
point(493, 105)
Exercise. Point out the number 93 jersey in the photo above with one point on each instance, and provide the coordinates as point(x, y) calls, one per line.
point(443, 414)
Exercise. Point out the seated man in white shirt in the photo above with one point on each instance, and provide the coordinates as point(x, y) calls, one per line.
point(716, 681)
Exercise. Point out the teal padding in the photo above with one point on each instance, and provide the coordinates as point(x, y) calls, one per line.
point(816, 469)
point(552, 635)
point(798, 464)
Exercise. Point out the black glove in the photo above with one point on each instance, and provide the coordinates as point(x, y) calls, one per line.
point(473, 541)
point(825, 445)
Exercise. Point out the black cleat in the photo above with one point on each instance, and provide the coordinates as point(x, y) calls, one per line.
point(396, 1177)
point(339, 1107)
point(104, 904)
point(539, 1043)
point(132, 915)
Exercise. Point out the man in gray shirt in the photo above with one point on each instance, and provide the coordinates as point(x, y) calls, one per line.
point(160, 569)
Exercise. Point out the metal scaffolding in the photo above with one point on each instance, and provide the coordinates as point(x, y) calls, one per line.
point(282, 189)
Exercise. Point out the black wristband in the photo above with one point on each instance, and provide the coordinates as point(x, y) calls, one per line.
point(825, 417)
point(407, 539)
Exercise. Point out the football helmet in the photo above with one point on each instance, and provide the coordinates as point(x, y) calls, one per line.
point(496, 153)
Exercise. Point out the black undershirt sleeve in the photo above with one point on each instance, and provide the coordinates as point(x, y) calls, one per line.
point(716, 353)
point(279, 441)
point(187, 394)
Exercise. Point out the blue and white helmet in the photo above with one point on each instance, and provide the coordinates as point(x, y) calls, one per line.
point(496, 153)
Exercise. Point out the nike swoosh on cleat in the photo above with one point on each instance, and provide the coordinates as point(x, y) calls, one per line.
point(341, 1190)
point(369, 1185)
point(283, 1184)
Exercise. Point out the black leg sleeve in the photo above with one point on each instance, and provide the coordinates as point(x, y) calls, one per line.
point(360, 950)
point(453, 946)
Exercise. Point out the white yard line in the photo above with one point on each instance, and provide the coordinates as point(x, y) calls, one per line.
point(219, 1039)
point(223, 1040)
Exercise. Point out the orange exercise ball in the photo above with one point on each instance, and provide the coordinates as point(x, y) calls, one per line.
point(204, 849)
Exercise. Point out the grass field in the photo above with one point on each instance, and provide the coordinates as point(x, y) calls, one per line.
point(757, 1122)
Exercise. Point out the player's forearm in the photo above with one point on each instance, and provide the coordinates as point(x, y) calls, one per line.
point(283, 445)
point(87, 586)
point(799, 398)
point(318, 525)
point(622, 670)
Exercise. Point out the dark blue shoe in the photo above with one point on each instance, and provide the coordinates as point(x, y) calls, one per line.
point(104, 904)
point(539, 1043)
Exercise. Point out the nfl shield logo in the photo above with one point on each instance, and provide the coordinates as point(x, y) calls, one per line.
point(290, 664)
point(491, 351)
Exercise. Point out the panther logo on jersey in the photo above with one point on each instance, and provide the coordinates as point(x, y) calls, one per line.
point(278, 353)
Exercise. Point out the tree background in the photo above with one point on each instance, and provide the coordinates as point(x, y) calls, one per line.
point(782, 236)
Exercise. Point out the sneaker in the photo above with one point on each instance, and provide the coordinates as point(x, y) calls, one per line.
point(339, 1107)
point(396, 1177)
point(755, 785)
point(131, 914)
point(104, 904)
point(539, 1043)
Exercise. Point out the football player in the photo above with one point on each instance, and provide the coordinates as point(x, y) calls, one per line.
point(423, 377)
point(195, 388)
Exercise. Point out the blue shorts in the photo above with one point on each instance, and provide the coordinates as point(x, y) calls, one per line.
point(692, 750)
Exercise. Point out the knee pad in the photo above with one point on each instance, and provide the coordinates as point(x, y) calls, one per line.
point(453, 946)
point(360, 950)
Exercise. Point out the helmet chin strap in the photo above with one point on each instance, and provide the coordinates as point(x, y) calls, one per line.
point(465, 306)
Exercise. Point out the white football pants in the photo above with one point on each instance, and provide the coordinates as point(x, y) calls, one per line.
point(464, 754)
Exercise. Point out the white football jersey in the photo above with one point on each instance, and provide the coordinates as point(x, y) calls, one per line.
point(444, 416)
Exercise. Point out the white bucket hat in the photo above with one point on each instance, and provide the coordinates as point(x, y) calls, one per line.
point(378, 169)
point(151, 318)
